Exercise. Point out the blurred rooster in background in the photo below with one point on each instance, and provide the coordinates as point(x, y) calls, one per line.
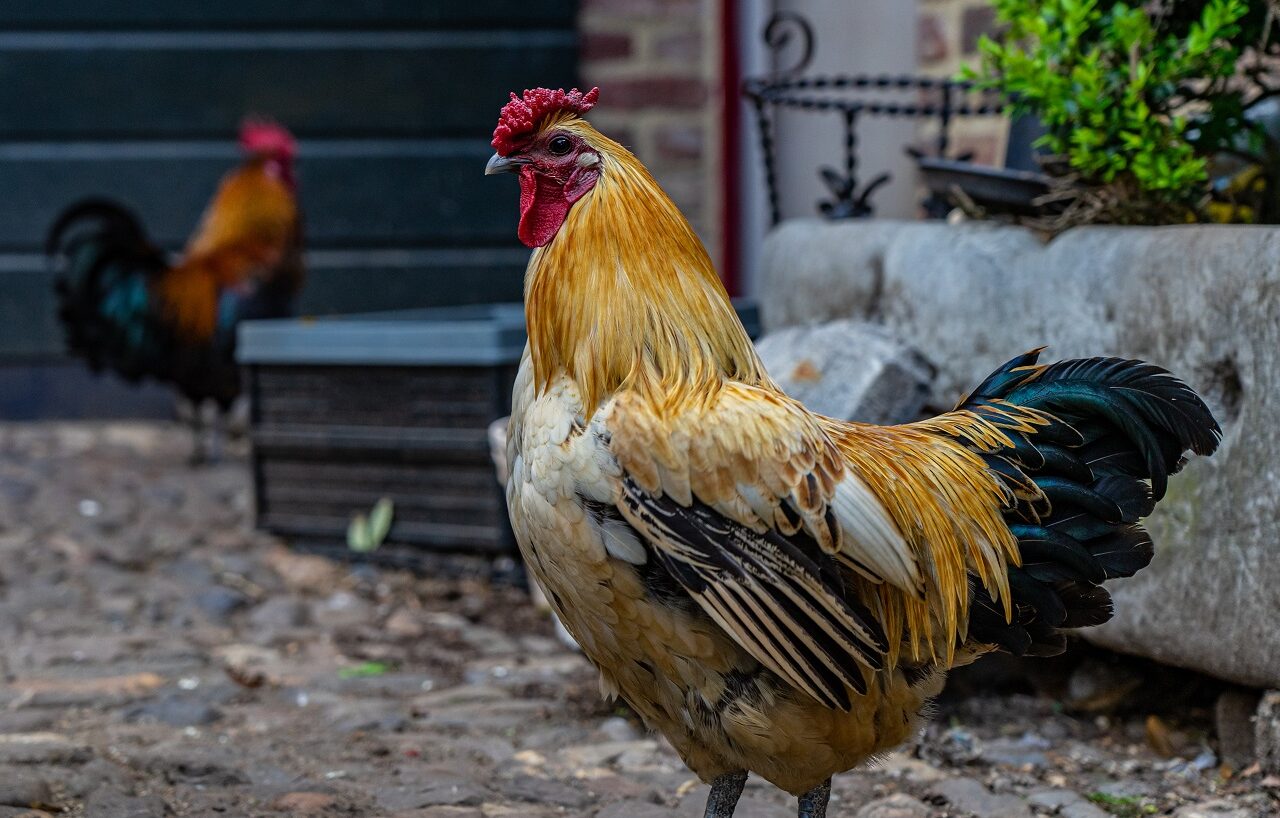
point(776, 591)
point(128, 308)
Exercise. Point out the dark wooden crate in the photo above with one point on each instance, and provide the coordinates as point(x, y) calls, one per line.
point(396, 405)
point(350, 409)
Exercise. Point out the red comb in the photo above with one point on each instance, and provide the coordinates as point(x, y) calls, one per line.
point(521, 115)
point(265, 136)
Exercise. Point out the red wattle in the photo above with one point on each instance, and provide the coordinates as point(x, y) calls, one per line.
point(543, 208)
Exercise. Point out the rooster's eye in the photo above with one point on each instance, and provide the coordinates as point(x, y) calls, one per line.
point(559, 146)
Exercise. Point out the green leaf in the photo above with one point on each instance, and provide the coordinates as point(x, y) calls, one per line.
point(364, 670)
point(358, 537)
point(366, 533)
point(380, 520)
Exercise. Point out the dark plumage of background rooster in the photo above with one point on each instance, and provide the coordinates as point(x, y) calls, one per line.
point(126, 307)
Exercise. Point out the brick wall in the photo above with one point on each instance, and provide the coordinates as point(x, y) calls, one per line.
point(947, 33)
point(657, 65)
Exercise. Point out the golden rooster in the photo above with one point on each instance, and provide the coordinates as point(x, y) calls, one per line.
point(774, 591)
point(126, 307)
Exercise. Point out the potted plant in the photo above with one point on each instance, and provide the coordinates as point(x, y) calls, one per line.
point(1151, 110)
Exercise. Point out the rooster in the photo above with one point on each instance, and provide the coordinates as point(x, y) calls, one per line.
point(775, 591)
point(127, 308)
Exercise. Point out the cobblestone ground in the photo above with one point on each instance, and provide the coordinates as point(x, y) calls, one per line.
point(161, 658)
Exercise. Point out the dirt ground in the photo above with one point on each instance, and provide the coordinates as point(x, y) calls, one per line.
point(161, 658)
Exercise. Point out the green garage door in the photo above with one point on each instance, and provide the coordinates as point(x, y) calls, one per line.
point(392, 100)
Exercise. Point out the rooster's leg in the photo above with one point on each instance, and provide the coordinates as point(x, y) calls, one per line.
point(813, 804)
point(196, 423)
point(725, 792)
point(217, 436)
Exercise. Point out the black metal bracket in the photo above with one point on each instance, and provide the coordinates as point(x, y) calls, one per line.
point(851, 96)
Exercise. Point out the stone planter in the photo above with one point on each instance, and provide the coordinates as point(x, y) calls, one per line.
point(1202, 301)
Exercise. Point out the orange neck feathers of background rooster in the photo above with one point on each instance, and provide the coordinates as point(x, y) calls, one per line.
point(126, 308)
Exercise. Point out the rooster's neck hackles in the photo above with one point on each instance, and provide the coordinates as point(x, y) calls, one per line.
point(625, 295)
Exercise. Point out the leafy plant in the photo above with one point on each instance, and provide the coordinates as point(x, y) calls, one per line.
point(1139, 99)
point(366, 533)
point(1123, 806)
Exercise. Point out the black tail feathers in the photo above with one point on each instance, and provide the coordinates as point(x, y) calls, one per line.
point(104, 262)
point(1116, 429)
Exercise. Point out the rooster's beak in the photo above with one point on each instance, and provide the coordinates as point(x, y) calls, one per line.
point(502, 164)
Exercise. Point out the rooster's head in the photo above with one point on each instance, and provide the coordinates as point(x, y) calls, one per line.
point(542, 136)
point(272, 143)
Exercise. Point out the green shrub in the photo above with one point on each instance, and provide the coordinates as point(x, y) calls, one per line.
point(1137, 98)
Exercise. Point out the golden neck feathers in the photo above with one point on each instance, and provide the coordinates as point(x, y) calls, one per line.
point(626, 297)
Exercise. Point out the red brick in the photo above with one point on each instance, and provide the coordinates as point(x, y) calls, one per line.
point(600, 46)
point(679, 143)
point(975, 22)
point(654, 92)
point(684, 47)
point(931, 38)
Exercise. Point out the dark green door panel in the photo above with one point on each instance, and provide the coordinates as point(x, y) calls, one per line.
point(288, 14)
point(355, 193)
point(131, 85)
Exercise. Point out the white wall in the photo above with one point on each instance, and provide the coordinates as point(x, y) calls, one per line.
point(851, 37)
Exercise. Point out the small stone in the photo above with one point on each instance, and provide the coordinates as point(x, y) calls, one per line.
point(279, 613)
point(898, 805)
point(303, 572)
point(93, 691)
point(304, 803)
point(1212, 809)
point(970, 795)
point(178, 711)
point(633, 808)
point(342, 609)
point(1065, 804)
point(901, 765)
point(616, 728)
point(42, 748)
point(118, 805)
point(19, 788)
point(404, 624)
point(441, 788)
point(538, 790)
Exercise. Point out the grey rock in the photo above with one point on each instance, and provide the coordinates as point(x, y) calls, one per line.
point(1065, 804)
point(341, 609)
point(538, 790)
point(1027, 751)
point(176, 710)
point(438, 789)
point(898, 805)
point(850, 370)
point(633, 808)
point(119, 805)
point(279, 613)
point(1212, 809)
point(363, 716)
point(220, 603)
point(21, 788)
point(971, 796)
point(1201, 301)
point(42, 749)
point(1233, 722)
point(1267, 732)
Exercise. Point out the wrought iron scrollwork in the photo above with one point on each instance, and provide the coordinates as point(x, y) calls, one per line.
point(851, 96)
